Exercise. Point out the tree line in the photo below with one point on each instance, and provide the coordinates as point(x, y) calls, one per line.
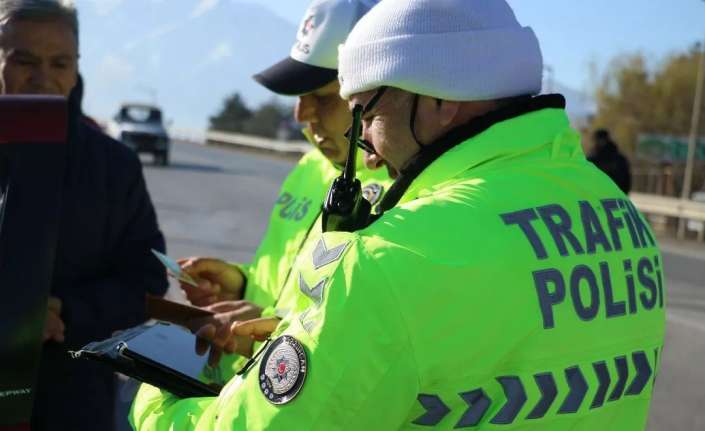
point(633, 98)
point(272, 119)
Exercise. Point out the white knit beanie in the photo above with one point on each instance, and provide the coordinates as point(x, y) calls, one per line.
point(463, 50)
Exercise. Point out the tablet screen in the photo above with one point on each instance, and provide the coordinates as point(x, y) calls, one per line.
point(171, 346)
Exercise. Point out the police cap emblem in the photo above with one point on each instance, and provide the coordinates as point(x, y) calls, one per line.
point(308, 25)
point(283, 370)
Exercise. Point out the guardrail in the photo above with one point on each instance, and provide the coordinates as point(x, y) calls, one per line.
point(671, 207)
point(240, 140)
point(667, 206)
point(258, 143)
point(189, 135)
point(647, 203)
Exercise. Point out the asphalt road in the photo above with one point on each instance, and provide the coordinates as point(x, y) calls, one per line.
point(216, 202)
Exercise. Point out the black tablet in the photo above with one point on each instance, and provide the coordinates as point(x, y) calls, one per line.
point(160, 354)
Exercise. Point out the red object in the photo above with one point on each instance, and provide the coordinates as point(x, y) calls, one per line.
point(16, 428)
point(31, 119)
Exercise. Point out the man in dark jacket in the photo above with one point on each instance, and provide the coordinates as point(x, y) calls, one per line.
point(108, 224)
point(606, 156)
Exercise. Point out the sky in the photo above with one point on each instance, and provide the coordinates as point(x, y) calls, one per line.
point(575, 34)
point(135, 49)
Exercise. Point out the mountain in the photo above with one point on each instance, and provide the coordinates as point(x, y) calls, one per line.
point(187, 56)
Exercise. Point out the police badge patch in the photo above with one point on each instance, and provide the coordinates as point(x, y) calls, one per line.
point(372, 192)
point(283, 370)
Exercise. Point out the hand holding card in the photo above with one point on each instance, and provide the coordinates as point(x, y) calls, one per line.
point(174, 269)
point(217, 280)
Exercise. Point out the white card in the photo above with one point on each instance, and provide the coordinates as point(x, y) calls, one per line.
point(173, 268)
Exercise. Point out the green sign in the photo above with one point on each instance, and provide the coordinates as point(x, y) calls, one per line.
point(667, 148)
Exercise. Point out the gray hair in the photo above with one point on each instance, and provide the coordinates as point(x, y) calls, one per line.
point(39, 10)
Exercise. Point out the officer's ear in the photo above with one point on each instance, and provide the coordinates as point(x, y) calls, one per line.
point(447, 111)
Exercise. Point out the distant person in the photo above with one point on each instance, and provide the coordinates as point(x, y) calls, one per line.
point(108, 225)
point(606, 156)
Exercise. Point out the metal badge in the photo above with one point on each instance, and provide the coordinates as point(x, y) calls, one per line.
point(283, 370)
point(372, 192)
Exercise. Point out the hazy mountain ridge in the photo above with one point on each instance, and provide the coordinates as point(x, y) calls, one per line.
point(189, 55)
point(185, 57)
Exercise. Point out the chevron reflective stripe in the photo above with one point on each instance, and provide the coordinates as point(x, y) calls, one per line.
point(478, 404)
point(578, 388)
point(622, 374)
point(516, 397)
point(643, 373)
point(323, 256)
point(436, 410)
point(549, 392)
point(603, 378)
point(315, 292)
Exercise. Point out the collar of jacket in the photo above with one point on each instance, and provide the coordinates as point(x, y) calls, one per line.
point(360, 157)
point(519, 128)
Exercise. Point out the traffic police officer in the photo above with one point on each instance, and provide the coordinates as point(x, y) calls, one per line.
point(309, 72)
point(507, 284)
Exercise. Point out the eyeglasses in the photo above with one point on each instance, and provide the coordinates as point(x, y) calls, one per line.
point(362, 143)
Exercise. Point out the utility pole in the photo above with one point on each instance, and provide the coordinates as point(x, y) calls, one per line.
point(693, 138)
point(549, 79)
